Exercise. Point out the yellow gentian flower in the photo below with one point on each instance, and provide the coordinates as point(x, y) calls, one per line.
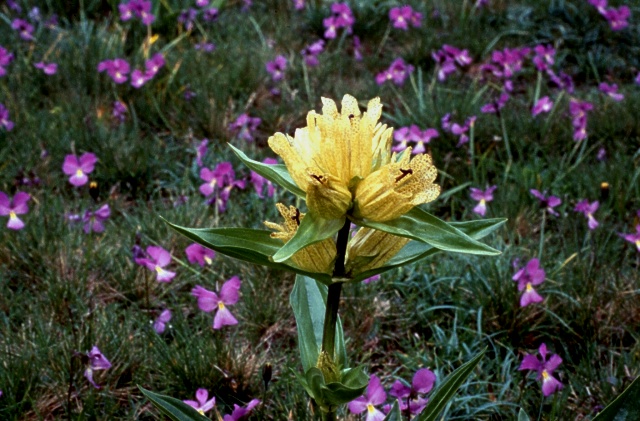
point(318, 257)
point(342, 158)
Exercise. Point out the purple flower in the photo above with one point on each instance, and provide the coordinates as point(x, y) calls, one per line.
point(578, 111)
point(97, 361)
point(401, 17)
point(311, 53)
point(240, 412)
point(93, 221)
point(633, 238)
point(482, 197)
point(5, 58)
point(397, 72)
point(140, 9)
point(611, 90)
point(375, 396)
point(373, 278)
point(201, 404)
point(24, 28)
point(259, 181)
point(496, 105)
point(618, 17)
point(153, 65)
point(221, 175)
point(526, 277)
point(545, 57)
point(4, 118)
point(117, 69)
point(357, 53)
point(159, 325)
point(509, 61)
point(413, 134)
point(244, 127)
point(199, 254)
point(201, 151)
point(205, 46)
point(421, 384)
point(298, 4)
point(119, 111)
point(202, 3)
point(157, 260)
point(14, 207)
point(601, 5)
point(277, 67)
point(341, 17)
point(209, 300)
point(543, 105)
point(187, 17)
point(587, 209)
point(547, 202)
point(79, 168)
point(636, 80)
point(138, 78)
point(47, 68)
point(544, 368)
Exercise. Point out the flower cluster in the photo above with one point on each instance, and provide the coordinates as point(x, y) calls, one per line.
point(245, 126)
point(218, 184)
point(341, 17)
point(448, 59)
point(413, 134)
point(617, 17)
point(139, 9)
point(203, 404)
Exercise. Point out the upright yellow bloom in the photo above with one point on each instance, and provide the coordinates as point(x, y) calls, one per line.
point(342, 158)
point(317, 257)
point(370, 249)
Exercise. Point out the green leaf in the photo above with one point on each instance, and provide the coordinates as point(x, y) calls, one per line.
point(172, 407)
point(308, 299)
point(312, 229)
point(415, 250)
point(626, 407)
point(522, 416)
point(424, 227)
point(443, 394)
point(394, 414)
point(330, 395)
point(277, 174)
point(250, 245)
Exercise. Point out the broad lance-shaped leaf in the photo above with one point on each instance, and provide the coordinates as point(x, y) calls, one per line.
point(250, 245)
point(422, 226)
point(308, 299)
point(416, 250)
point(394, 414)
point(312, 229)
point(443, 394)
point(277, 174)
point(626, 407)
point(330, 395)
point(172, 407)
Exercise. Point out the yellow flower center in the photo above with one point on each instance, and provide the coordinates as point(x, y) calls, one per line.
point(545, 375)
point(79, 173)
point(208, 260)
point(370, 408)
point(220, 305)
point(529, 287)
point(159, 270)
point(12, 215)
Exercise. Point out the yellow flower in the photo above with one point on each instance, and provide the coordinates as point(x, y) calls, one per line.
point(370, 249)
point(318, 257)
point(342, 158)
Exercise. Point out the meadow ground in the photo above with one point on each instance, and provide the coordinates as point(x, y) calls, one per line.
point(521, 95)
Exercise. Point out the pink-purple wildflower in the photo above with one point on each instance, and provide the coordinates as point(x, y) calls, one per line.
point(187, 18)
point(94, 220)
point(341, 17)
point(5, 58)
point(14, 207)
point(209, 301)
point(375, 396)
point(588, 209)
point(611, 90)
point(543, 105)
point(157, 259)
point(24, 29)
point(119, 111)
point(578, 111)
point(4, 118)
point(410, 396)
point(160, 324)
point(140, 9)
point(245, 126)
point(403, 16)
point(496, 105)
point(397, 72)
point(311, 52)
point(547, 202)
point(277, 67)
point(526, 277)
point(241, 412)
point(202, 403)
point(78, 168)
point(117, 69)
point(259, 181)
point(482, 196)
point(544, 57)
point(201, 151)
point(448, 59)
point(199, 254)
point(413, 134)
point(97, 361)
point(47, 68)
point(544, 367)
point(634, 238)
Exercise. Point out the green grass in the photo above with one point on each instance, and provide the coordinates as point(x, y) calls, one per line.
point(62, 291)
